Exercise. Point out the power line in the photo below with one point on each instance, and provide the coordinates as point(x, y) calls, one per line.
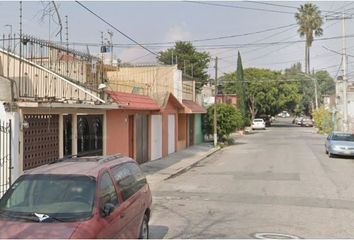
point(292, 7)
point(239, 7)
point(218, 46)
point(205, 39)
point(125, 35)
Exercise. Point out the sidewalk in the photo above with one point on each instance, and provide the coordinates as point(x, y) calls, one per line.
point(176, 163)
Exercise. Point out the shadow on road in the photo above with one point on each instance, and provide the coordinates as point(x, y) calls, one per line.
point(342, 157)
point(157, 231)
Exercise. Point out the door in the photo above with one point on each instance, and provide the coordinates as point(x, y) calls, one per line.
point(171, 133)
point(141, 136)
point(156, 137)
point(115, 224)
point(67, 131)
point(191, 130)
point(131, 136)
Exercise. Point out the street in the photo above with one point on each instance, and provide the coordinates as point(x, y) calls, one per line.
point(270, 183)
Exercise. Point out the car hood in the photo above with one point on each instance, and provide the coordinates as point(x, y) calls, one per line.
point(343, 143)
point(32, 230)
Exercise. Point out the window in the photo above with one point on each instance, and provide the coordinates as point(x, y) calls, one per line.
point(129, 179)
point(67, 197)
point(138, 175)
point(107, 191)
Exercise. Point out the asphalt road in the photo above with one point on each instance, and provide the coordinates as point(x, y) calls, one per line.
point(270, 183)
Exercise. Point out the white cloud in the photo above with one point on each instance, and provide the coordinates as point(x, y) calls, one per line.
point(177, 33)
point(136, 55)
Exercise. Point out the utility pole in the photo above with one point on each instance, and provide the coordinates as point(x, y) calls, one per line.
point(215, 93)
point(344, 70)
point(111, 44)
point(345, 78)
point(315, 84)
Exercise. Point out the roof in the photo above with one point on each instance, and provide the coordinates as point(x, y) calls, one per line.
point(78, 166)
point(133, 101)
point(193, 107)
point(169, 97)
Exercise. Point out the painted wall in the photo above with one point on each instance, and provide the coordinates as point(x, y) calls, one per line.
point(15, 128)
point(198, 135)
point(118, 131)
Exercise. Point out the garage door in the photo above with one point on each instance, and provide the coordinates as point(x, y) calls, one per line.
point(171, 133)
point(156, 137)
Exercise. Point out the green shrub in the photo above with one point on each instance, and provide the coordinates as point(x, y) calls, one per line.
point(229, 119)
point(323, 120)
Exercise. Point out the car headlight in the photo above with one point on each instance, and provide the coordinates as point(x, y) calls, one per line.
point(336, 147)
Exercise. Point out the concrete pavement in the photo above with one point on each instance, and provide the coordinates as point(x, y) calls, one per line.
point(176, 163)
point(277, 183)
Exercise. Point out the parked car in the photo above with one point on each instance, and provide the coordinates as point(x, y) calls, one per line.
point(89, 197)
point(339, 143)
point(266, 119)
point(306, 122)
point(258, 123)
point(297, 120)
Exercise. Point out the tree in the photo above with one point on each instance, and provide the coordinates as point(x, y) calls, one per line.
point(310, 21)
point(268, 93)
point(240, 87)
point(189, 60)
point(229, 119)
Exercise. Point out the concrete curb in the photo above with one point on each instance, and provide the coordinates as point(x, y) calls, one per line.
point(192, 164)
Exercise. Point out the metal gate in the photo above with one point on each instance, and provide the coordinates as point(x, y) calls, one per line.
point(5, 156)
point(141, 137)
point(41, 140)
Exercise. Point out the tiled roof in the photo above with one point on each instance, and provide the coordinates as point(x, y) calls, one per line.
point(133, 101)
point(193, 107)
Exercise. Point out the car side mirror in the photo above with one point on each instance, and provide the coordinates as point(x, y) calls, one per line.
point(108, 208)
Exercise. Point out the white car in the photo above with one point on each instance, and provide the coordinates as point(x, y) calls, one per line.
point(258, 123)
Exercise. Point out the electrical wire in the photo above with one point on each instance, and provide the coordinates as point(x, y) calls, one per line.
point(109, 24)
point(239, 7)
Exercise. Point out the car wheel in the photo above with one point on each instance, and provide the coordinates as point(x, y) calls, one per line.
point(144, 230)
point(331, 155)
point(326, 151)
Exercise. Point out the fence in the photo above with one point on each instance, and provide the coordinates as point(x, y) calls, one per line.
point(5, 156)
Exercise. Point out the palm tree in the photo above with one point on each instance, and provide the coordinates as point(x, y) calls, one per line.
point(310, 21)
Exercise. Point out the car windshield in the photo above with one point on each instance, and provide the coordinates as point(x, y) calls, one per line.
point(343, 137)
point(61, 197)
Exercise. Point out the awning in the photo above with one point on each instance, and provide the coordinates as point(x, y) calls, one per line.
point(133, 101)
point(192, 107)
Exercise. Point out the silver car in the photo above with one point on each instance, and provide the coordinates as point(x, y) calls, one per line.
point(339, 143)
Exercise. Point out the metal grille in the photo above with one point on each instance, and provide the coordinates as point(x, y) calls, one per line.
point(41, 140)
point(43, 71)
point(5, 156)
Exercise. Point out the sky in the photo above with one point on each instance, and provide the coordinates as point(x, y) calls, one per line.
point(169, 21)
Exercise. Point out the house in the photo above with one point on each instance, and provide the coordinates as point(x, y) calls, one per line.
point(177, 124)
point(51, 95)
point(340, 106)
point(230, 99)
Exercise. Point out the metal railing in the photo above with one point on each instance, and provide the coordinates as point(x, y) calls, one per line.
point(46, 71)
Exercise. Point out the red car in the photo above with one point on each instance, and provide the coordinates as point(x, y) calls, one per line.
point(88, 197)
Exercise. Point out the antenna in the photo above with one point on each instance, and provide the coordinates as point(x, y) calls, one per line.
point(20, 43)
point(67, 43)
